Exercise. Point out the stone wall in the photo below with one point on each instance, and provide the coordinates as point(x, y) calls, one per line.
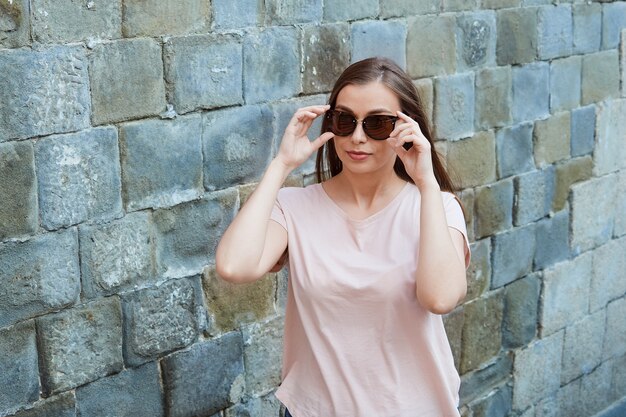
point(131, 131)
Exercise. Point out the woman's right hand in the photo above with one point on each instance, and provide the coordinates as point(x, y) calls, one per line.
point(295, 147)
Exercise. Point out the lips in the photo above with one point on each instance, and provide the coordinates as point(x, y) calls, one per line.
point(358, 155)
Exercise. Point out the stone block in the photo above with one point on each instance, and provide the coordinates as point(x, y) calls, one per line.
point(15, 27)
point(402, 8)
point(453, 323)
point(19, 211)
point(237, 145)
point(565, 83)
point(613, 21)
point(459, 5)
point(516, 37)
point(229, 14)
point(555, 31)
point(288, 12)
point(493, 97)
point(38, 276)
point(552, 237)
point(70, 21)
point(62, 405)
point(454, 106)
point(79, 177)
point(587, 27)
point(583, 127)
point(145, 18)
point(439, 57)
point(552, 139)
point(582, 348)
point(474, 159)
point(476, 39)
point(205, 378)
point(513, 253)
point(609, 152)
point(499, 4)
point(615, 337)
point(342, 10)
point(622, 62)
point(619, 228)
point(521, 303)
point(325, 54)
point(203, 71)
point(492, 374)
point(80, 345)
point(482, 334)
point(262, 355)
point(568, 173)
point(608, 280)
point(618, 380)
point(600, 76)
point(188, 234)
point(537, 371)
point(493, 208)
point(151, 150)
point(379, 38)
point(531, 92)
point(426, 94)
point(116, 256)
point(595, 389)
point(479, 271)
point(132, 392)
point(267, 405)
point(43, 92)
point(270, 60)
point(126, 80)
point(565, 297)
point(19, 383)
point(497, 403)
point(514, 149)
point(534, 192)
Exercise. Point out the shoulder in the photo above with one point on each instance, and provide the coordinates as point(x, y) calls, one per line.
point(295, 195)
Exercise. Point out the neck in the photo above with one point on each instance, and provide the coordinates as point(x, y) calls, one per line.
point(364, 189)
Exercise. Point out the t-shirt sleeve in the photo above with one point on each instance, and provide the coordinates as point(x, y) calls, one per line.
point(278, 215)
point(456, 220)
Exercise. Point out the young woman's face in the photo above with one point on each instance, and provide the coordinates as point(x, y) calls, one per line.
point(358, 152)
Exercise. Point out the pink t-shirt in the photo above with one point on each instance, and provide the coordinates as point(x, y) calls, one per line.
point(357, 343)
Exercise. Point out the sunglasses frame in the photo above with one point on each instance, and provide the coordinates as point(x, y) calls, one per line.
point(332, 112)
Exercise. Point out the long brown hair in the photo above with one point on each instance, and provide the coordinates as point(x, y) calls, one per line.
point(387, 72)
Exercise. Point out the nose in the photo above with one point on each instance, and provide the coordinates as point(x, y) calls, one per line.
point(359, 136)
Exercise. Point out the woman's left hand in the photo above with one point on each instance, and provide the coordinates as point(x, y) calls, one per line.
point(417, 160)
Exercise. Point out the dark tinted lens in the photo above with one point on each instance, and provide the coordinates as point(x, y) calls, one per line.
point(379, 127)
point(342, 123)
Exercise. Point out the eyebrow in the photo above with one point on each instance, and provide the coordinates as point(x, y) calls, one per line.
point(374, 111)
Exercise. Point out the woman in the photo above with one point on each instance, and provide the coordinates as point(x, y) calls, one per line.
point(377, 252)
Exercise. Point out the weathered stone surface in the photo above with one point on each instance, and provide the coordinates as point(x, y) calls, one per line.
point(269, 60)
point(497, 403)
point(426, 94)
point(513, 253)
point(555, 31)
point(14, 23)
point(568, 173)
point(203, 71)
point(19, 211)
point(552, 139)
point(583, 127)
point(613, 21)
point(459, 5)
point(618, 380)
point(619, 228)
point(531, 92)
point(268, 405)
point(537, 370)
point(342, 10)
point(230, 14)
point(439, 56)
point(187, 234)
point(19, 383)
point(204, 379)
point(552, 237)
point(622, 62)
point(493, 97)
point(126, 80)
point(287, 12)
point(493, 208)
point(67, 20)
point(262, 353)
point(80, 345)
point(498, 4)
point(402, 8)
point(594, 390)
point(454, 106)
point(521, 303)
point(379, 38)
point(582, 349)
point(473, 159)
point(534, 192)
point(492, 374)
point(587, 27)
point(161, 17)
point(325, 54)
point(482, 334)
point(62, 405)
point(600, 76)
point(453, 324)
point(38, 276)
point(79, 177)
point(151, 150)
point(479, 271)
point(516, 40)
point(565, 83)
point(565, 296)
point(514, 148)
point(133, 392)
point(43, 92)
point(476, 39)
point(609, 152)
point(608, 281)
point(615, 337)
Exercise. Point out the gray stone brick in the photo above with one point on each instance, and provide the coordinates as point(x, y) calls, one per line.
point(492, 374)
point(615, 337)
point(229, 14)
point(552, 237)
point(133, 392)
point(325, 54)
point(160, 17)
point(493, 208)
point(622, 62)
point(19, 212)
point(514, 149)
point(608, 280)
point(267, 405)
point(67, 20)
point(459, 5)
point(379, 38)
point(493, 97)
point(204, 71)
point(454, 106)
point(474, 159)
point(453, 324)
point(533, 195)
point(537, 371)
point(79, 177)
point(568, 173)
point(555, 33)
point(237, 145)
point(565, 83)
point(204, 379)
point(38, 276)
point(187, 234)
point(600, 76)
point(62, 405)
point(512, 256)
point(498, 4)
point(479, 271)
point(19, 383)
point(516, 41)
point(43, 92)
point(426, 94)
point(582, 349)
point(117, 256)
point(402, 8)
point(126, 80)
point(521, 303)
point(620, 205)
point(565, 296)
point(262, 355)
point(552, 139)
point(476, 39)
point(342, 10)
point(618, 380)
point(270, 58)
point(531, 92)
point(15, 29)
point(151, 150)
point(80, 345)
point(287, 12)
point(583, 126)
point(594, 390)
point(609, 152)
point(497, 403)
point(613, 21)
point(432, 44)
point(587, 25)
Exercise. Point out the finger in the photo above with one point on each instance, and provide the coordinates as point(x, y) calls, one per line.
point(322, 139)
point(400, 128)
point(319, 109)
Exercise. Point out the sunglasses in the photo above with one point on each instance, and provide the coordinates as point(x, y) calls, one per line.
point(377, 127)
